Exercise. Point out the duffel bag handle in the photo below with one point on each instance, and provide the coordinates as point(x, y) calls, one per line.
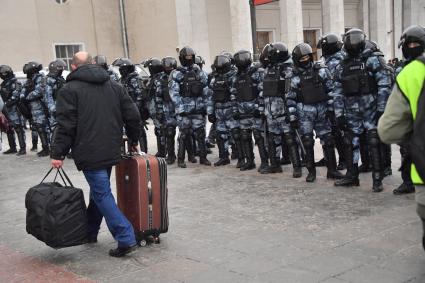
point(60, 174)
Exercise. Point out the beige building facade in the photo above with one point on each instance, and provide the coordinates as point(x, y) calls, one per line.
point(43, 30)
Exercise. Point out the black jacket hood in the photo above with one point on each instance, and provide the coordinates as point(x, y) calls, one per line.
point(89, 73)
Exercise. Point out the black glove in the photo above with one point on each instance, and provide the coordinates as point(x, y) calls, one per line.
point(212, 118)
point(294, 124)
point(236, 115)
point(183, 114)
point(257, 113)
point(341, 122)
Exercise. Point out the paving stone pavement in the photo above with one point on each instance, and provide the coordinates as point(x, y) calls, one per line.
point(232, 226)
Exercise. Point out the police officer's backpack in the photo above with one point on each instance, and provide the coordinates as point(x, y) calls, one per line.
point(56, 214)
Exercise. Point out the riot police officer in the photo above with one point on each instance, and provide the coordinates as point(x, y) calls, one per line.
point(33, 93)
point(156, 109)
point(102, 61)
point(188, 91)
point(332, 53)
point(309, 104)
point(131, 81)
point(362, 87)
point(54, 82)
point(10, 90)
point(275, 85)
point(249, 110)
point(220, 107)
point(170, 123)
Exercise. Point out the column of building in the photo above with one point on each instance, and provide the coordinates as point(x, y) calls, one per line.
point(240, 23)
point(291, 22)
point(380, 26)
point(333, 16)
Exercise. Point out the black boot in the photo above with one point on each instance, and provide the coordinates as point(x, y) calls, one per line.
point(234, 154)
point(351, 178)
point(407, 186)
point(190, 149)
point(34, 139)
point(237, 147)
point(200, 140)
point(222, 152)
point(259, 141)
point(275, 166)
point(294, 155)
point(376, 158)
point(386, 159)
point(170, 141)
point(285, 160)
point(366, 165)
point(329, 152)
point(160, 142)
point(248, 150)
point(11, 141)
point(181, 151)
point(322, 162)
point(44, 142)
point(212, 137)
point(308, 143)
point(143, 140)
point(21, 140)
point(404, 189)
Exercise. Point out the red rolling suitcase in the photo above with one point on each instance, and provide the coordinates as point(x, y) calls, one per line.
point(142, 195)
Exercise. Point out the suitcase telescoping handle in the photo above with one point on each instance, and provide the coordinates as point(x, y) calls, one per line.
point(61, 173)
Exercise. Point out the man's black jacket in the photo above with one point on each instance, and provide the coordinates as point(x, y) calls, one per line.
point(91, 111)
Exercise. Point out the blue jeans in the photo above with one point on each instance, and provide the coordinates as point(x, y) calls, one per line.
point(102, 204)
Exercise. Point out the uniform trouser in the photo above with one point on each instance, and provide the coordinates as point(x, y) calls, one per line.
point(11, 138)
point(21, 136)
point(420, 202)
point(406, 163)
point(193, 124)
point(212, 135)
point(102, 204)
point(143, 140)
point(42, 132)
point(170, 134)
point(34, 135)
point(160, 141)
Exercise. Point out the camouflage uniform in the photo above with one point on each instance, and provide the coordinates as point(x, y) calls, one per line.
point(134, 89)
point(188, 90)
point(221, 107)
point(10, 92)
point(362, 87)
point(249, 110)
point(53, 84)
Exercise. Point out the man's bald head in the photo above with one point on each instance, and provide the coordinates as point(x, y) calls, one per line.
point(81, 58)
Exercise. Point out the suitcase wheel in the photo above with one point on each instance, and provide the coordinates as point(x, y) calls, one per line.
point(142, 243)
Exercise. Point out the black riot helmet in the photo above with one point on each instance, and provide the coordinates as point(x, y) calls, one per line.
point(155, 66)
point(372, 45)
point(354, 41)
point(101, 61)
point(278, 52)
point(56, 67)
point(412, 42)
point(6, 72)
point(330, 44)
point(32, 68)
point(169, 64)
point(230, 55)
point(126, 67)
point(300, 53)
point(264, 56)
point(222, 64)
point(187, 56)
point(243, 59)
point(199, 61)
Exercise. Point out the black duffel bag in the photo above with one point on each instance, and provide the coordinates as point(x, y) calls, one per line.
point(56, 214)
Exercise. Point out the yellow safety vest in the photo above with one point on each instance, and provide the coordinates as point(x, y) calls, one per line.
point(410, 81)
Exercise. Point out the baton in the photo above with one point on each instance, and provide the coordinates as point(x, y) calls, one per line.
point(300, 142)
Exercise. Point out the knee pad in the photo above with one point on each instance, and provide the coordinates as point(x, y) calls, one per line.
point(289, 139)
point(170, 131)
point(200, 133)
point(308, 140)
point(373, 138)
point(158, 132)
point(236, 134)
point(245, 134)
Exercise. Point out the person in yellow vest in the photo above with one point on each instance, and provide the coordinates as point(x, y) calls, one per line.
point(404, 116)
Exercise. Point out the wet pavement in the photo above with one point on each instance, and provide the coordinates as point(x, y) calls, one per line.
point(230, 226)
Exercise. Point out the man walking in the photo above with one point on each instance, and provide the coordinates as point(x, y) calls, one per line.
point(91, 111)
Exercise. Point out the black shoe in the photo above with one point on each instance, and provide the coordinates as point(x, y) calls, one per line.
point(377, 187)
point(311, 177)
point(192, 159)
point(10, 151)
point(341, 166)
point(248, 166)
point(171, 159)
point(181, 164)
point(404, 189)
point(297, 172)
point(320, 163)
point(240, 163)
point(264, 168)
point(34, 147)
point(387, 171)
point(204, 161)
point(44, 152)
point(22, 151)
point(347, 181)
point(365, 168)
point(334, 175)
point(285, 161)
point(222, 162)
point(122, 251)
point(275, 169)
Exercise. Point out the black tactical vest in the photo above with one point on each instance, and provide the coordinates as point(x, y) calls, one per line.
point(59, 82)
point(355, 79)
point(273, 84)
point(191, 86)
point(312, 89)
point(246, 90)
point(221, 92)
point(5, 93)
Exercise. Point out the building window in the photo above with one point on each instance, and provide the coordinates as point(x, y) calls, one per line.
point(66, 51)
point(263, 38)
point(61, 1)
